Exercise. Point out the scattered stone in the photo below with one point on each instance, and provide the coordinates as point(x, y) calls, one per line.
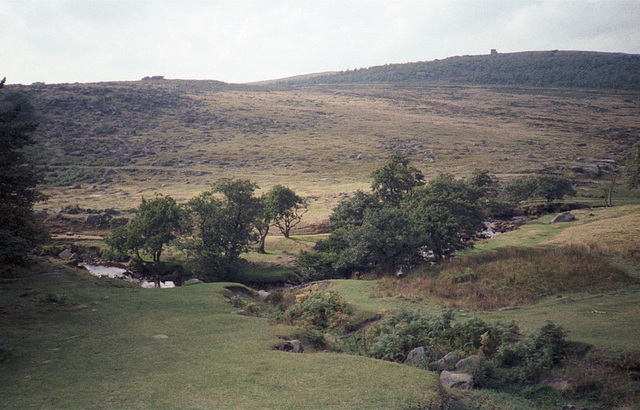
point(467, 362)
point(448, 358)
point(239, 312)
point(563, 217)
point(93, 219)
point(415, 355)
point(561, 385)
point(263, 294)
point(192, 281)
point(82, 306)
point(593, 171)
point(452, 380)
point(66, 255)
point(293, 346)
point(160, 336)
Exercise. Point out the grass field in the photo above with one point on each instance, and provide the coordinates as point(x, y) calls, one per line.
point(72, 340)
point(78, 342)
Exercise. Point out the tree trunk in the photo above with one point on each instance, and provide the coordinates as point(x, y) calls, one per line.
point(609, 192)
point(262, 239)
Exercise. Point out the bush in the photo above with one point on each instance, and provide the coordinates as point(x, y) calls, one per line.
point(321, 310)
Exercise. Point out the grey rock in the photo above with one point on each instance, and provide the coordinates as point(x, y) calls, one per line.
point(593, 171)
point(263, 294)
point(415, 355)
point(160, 336)
point(93, 219)
point(448, 358)
point(467, 362)
point(563, 217)
point(294, 346)
point(192, 281)
point(239, 312)
point(453, 380)
point(66, 255)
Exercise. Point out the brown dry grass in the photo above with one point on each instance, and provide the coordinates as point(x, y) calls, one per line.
point(614, 230)
point(512, 276)
point(309, 138)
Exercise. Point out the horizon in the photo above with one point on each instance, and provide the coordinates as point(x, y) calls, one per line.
point(164, 78)
point(241, 42)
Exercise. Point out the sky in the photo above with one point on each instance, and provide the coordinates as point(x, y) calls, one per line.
point(67, 41)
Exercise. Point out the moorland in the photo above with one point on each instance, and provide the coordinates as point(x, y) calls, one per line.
point(72, 340)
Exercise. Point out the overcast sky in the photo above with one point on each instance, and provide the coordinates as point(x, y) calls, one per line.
point(58, 41)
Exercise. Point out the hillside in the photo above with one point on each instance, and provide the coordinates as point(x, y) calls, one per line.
point(106, 145)
point(564, 69)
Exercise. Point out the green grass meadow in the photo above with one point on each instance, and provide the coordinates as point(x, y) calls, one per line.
point(74, 341)
point(77, 342)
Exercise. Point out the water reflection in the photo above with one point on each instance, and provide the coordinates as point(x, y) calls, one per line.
point(121, 273)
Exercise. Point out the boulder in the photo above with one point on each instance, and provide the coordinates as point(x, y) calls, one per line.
point(415, 355)
point(593, 171)
point(93, 219)
point(263, 294)
point(192, 281)
point(66, 255)
point(452, 380)
point(448, 358)
point(293, 346)
point(563, 217)
point(160, 336)
point(467, 362)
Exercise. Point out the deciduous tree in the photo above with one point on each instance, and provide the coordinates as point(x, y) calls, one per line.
point(156, 224)
point(286, 208)
point(396, 178)
point(224, 220)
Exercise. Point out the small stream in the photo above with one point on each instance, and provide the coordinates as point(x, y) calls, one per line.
point(114, 272)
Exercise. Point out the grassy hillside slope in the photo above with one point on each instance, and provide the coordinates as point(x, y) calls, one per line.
point(78, 342)
point(109, 144)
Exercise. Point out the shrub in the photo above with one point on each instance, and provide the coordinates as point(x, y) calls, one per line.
point(322, 310)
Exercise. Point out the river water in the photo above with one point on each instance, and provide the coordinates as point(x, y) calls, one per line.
point(120, 273)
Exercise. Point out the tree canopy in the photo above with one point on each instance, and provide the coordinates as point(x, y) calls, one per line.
point(223, 220)
point(396, 178)
point(548, 187)
point(285, 207)
point(394, 228)
point(20, 231)
point(157, 223)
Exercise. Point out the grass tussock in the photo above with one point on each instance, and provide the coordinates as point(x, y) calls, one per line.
point(512, 276)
